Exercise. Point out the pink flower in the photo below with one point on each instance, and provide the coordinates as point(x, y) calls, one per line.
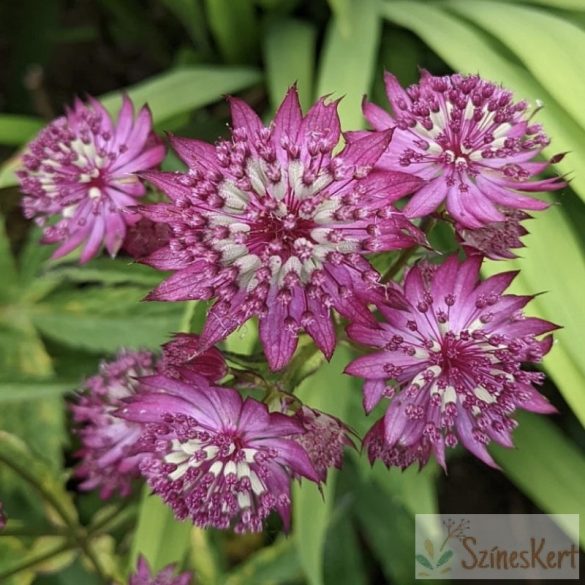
point(2, 516)
point(273, 224)
point(182, 356)
point(106, 460)
point(454, 359)
point(215, 457)
point(143, 576)
point(324, 439)
point(468, 139)
point(496, 240)
point(78, 176)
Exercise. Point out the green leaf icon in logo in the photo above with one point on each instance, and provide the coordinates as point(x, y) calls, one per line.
point(444, 557)
point(424, 561)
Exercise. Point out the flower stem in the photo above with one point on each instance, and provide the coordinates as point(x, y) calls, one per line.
point(30, 563)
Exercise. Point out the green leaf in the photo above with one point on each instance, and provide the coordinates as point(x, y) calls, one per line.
point(550, 57)
point(190, 14)
point(32, 469)
point(343, 13)
point(328, 390)
point(344, 563)
point(12, 551)
point(278, 563)
point(105, 319)
point(21, 391)
point(349, 60)
point(547, 467)
point(234, 28)
point(159, 536)
point(109, 271)
point(567, 4)
point(468, 50)
point(184, 89)
point(289, 52)
point(206, 558)
point(9, 287)
point(389, 531)
point(16, 130)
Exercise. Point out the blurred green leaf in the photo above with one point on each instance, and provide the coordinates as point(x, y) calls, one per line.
point(568, 4)
point(289, 52)
point(206, 558)
point(234, 27)
point(329, 391)
point(547, 467)
point(12, 551)
point(16, 130)
point(190, 14)
point(552, 58)
point(343, 13)
point(348, 61)
point(109, 271)
point(344, 564)
point(184, 89)
point(19, 391)
point(159, 536)
point(105, 319)
point(7, 268)
point(468, 50)
point(35, 471)
point(276, 564)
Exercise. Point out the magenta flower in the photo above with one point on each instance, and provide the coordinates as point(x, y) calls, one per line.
point(273, 224)
point(496, 240)
point(2, 516)
point(182, 356)
point(78, 179)
point(143, 575)
point(215, 457)
point(106, 459)
point(324, 439)
point(468, 139)
point(454, 359)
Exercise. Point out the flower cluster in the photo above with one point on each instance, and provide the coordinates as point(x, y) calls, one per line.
point(215, 457)
point(280, 223)
point(274, 224)
point(470, 141)
point(106, 460)
point(454, 356)
point(78, 176)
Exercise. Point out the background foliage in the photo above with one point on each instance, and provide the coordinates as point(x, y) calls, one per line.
point(58, 319)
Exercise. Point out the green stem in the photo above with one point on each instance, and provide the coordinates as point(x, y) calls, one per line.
point(30, 563)
point(32, 532)
point(73, 526)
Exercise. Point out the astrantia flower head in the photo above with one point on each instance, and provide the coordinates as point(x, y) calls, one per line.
point(454, 359)
point(182, 356)
point(470, 141)
point(496, 240)
point(106, 460)
point(144, 576)
point(272, 223)
point(324, 439)
point(78, 179)
point(214, 457)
